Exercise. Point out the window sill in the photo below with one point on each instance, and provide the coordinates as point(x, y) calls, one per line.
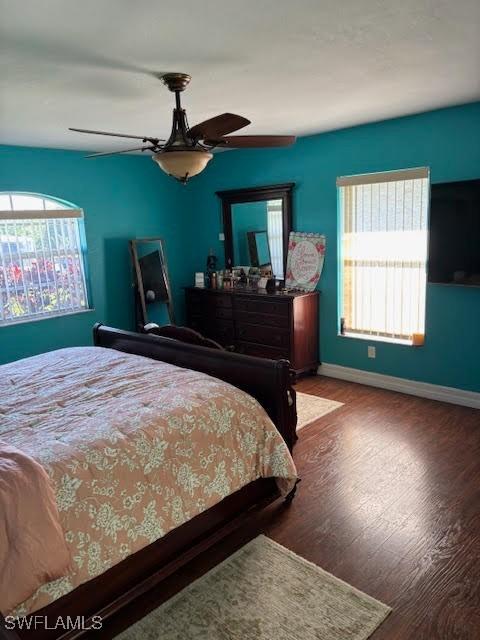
point(63, 314)
point(357, 336)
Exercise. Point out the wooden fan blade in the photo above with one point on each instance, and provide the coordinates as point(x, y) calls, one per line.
point(114, 153)
point(253, 141)
point(116, 135)
point(218, 126)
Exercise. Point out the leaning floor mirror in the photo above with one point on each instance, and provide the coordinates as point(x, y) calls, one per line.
point(153, 298)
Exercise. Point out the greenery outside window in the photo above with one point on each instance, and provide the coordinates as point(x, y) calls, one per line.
point(42, 258)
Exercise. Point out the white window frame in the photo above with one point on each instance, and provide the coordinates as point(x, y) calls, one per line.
point(60, 212)
point(372, 263)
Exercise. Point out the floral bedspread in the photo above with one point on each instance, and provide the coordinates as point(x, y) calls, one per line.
point(133, 448)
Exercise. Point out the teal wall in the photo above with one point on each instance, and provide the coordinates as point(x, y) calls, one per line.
point(126, 197)
point(123, 197)
point(448, 141)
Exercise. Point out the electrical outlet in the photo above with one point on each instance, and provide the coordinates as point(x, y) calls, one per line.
point(372, 352)
point(221, 237)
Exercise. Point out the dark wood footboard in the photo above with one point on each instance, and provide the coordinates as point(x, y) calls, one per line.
point(268, 381)
point(109, 594)
point(106, 597)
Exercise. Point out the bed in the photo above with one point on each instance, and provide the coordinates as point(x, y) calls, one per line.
point(151, 462)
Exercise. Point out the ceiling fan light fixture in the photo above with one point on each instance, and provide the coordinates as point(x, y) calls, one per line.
point(182, 165)
point(186, 153)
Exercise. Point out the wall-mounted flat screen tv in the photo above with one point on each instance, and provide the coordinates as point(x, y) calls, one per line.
point(454, 245)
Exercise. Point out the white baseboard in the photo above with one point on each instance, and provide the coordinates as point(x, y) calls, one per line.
point(402, 385)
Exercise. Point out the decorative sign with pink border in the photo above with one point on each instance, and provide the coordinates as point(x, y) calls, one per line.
point(306, 252)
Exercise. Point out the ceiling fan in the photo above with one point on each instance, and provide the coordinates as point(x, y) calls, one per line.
point(188, 150)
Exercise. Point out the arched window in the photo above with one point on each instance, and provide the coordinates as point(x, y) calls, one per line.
point(42, 258)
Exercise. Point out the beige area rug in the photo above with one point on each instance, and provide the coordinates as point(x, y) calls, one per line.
point(311, 408)
point(263, 592)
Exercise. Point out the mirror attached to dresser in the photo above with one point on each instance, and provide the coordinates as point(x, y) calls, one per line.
point(256, 225)
point(253, 320)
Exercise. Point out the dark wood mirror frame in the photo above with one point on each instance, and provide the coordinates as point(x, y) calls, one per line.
point(141, 310)
point(281, 192)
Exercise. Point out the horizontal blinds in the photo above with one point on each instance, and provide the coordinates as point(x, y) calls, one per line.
point(41, 214)
point(383, 255)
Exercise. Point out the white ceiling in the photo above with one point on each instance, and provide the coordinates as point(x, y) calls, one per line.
point(296, 66)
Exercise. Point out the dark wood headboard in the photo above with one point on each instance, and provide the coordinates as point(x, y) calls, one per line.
point(266, 380)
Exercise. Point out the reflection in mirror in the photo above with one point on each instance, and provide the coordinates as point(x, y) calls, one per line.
point(259, 249)
point(254, 210)
point(153, 297)
point(257, 235)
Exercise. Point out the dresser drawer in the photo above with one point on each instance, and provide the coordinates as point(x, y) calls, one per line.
point(220, 330)
point(265, 335)
point(255, 305)
point(261, 351)
point(209, 312)
point(196, 299)
point(269, 320)
point(220, 300)
point(208, 299)
point(225, 313)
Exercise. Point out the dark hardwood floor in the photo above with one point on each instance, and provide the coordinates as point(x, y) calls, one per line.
point(389, 502)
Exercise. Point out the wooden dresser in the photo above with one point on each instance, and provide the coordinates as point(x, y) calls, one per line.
point(267, 325)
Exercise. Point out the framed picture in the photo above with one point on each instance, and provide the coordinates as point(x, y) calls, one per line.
point(306, 253)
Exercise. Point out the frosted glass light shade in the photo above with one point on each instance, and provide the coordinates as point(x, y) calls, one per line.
point(182, 164)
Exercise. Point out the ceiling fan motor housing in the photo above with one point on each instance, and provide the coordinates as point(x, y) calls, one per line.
point(176, 81)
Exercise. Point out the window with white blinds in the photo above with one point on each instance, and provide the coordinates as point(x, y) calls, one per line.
point(383, 255)
point(42, 269)
point(275, 236)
